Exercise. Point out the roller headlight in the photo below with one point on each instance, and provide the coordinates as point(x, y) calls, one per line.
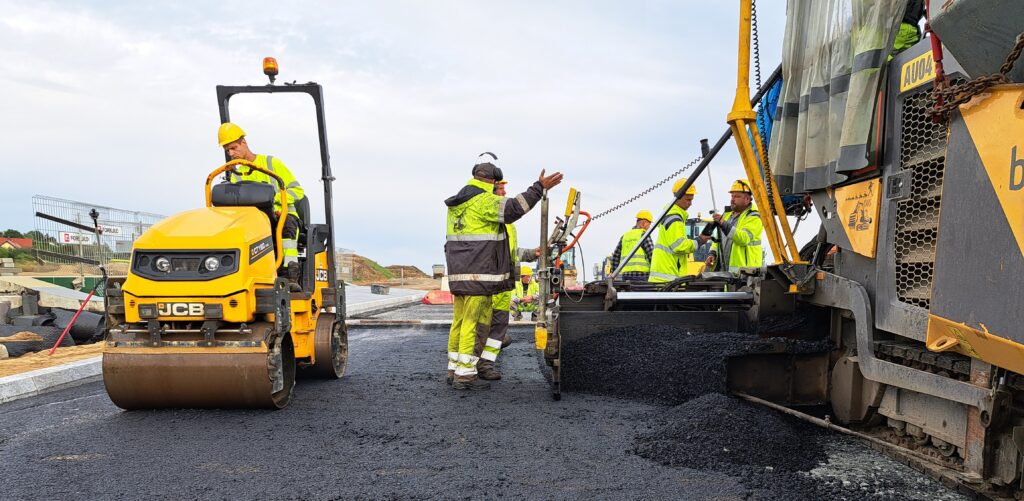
point(211, 263)
point(162, 264)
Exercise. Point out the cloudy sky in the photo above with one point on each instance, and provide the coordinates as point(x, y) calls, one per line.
point(113, 103)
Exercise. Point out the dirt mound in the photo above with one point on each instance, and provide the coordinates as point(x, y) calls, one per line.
point(365, 270)
point(29, 339)
point(410, 271)
point(718, 432)
point(21, 336)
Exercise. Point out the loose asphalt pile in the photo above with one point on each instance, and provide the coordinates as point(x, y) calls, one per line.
point(699, 427)
point(659, 364)
point(719, 432)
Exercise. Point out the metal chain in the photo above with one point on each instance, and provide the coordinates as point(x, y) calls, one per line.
point(644, 193)
point(955, 95)
point(761, 154)
point(757, 45)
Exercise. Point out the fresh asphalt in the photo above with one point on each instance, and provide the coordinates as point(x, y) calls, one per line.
point(391, 428)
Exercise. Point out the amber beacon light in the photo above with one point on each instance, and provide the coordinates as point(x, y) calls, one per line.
point(270, 68)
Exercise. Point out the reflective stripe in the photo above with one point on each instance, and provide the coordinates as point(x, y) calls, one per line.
point(293, 184)
point(663, 248)
point(293, 195)
point(289, 259)
point(477, 277)
point(493, 343)
point(489, 355)
point(501, 210)
point(522, 202)
point(480, 237)
point(671, 218)
point(749, 234)
point(677, 242)
point(755, 214)
point(273, 182)
point(636, 262)
point(466, 365)
point(290, 244)
point(666, 276)
point(754, 242)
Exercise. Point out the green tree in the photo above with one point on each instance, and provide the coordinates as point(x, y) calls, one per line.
point(37, 236)
point(9, 233)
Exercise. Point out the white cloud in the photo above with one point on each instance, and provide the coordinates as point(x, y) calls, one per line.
point(114, 103)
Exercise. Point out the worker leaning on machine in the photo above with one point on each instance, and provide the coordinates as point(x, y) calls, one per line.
point(741, 230)
point(673, 248)
point(479, 262)
point(525, 295)
point(638, 268)
point(232, 138)
point(490, 342)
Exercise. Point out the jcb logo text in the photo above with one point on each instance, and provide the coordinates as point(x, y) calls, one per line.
point(180, 309)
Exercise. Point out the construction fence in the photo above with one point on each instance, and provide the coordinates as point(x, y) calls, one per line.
point(64, 232)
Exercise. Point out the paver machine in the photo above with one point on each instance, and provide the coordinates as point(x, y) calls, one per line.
point(900, 154)
point(203, 319)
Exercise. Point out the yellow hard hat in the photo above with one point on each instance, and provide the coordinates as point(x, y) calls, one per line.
point(741, 185)
point(645, 214)
point(501, 182)
point(525, 271)
point(229, 133)
point(679, 184)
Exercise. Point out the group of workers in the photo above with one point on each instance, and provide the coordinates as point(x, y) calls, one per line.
point(483, 256)
point(668, 257)
point(486, 279)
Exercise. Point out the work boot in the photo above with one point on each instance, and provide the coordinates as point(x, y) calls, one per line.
point(470, 383)
point(487, 371)
point(505, 341)
point(293, 273)
point(450, 377)
point(533, 316)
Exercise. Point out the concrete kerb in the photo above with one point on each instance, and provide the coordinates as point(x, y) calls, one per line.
point(50, 378)
point(382, 305)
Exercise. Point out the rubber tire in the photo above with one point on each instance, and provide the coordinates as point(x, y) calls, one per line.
point(284, 397)
point(331, 349)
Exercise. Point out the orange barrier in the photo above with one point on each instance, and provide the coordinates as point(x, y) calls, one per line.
point(438, 297)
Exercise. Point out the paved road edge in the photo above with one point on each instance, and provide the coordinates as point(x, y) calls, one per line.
point(39, 381)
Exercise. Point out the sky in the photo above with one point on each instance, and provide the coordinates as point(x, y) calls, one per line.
point(113, 103)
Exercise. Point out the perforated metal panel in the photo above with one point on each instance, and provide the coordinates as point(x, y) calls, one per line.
point(922, 154)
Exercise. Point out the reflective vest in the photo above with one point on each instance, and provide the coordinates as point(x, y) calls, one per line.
point(531, 290)
point(502, 301)
point(513, 243)
point(639, 262)
point(476, 248)
point(295, 191)
point(673, 248)
point(742, 243)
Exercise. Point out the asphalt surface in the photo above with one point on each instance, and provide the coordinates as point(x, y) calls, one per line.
point(390, 429)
